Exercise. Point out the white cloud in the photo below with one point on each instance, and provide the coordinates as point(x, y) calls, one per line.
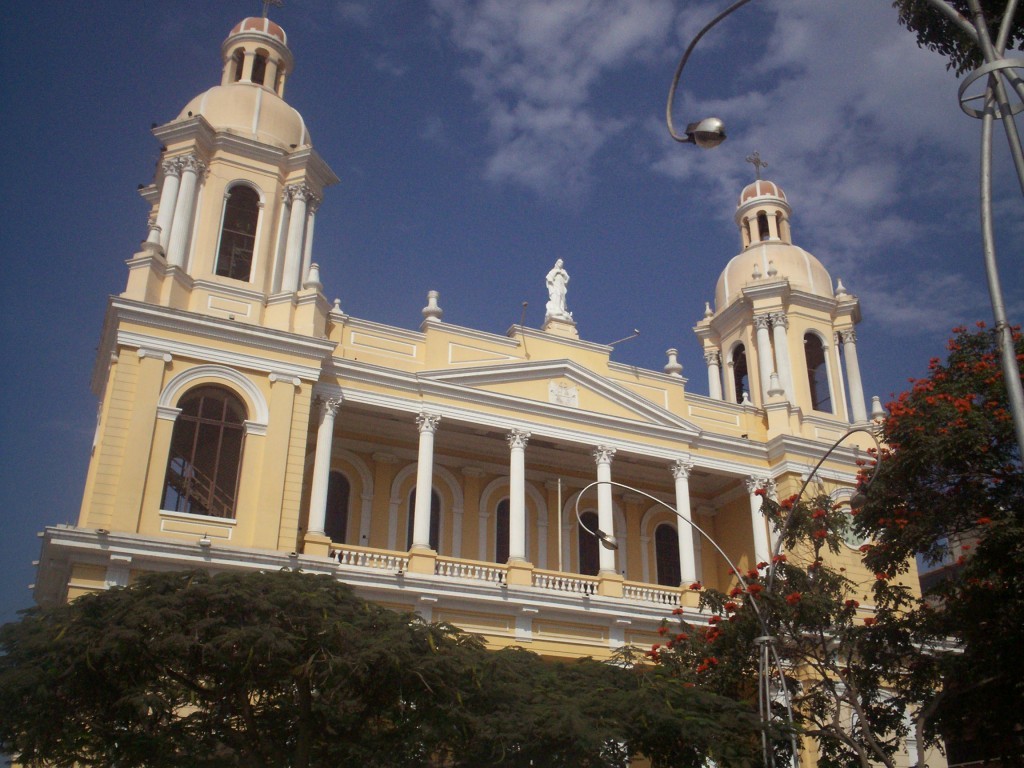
point(534, 65)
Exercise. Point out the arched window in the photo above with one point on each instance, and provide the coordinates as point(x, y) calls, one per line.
point(238, 233)
point(435, 519)
point(762, 226)
point(259, 68)
point(590, 557)
point(817, 373)
point(666, 555)
point(206, 454)
point(501, 532)
point(336, 521)
point(237, 62)
point(741, 380)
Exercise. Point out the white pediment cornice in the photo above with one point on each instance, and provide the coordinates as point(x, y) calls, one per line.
point(469, 400)
point(484, 376)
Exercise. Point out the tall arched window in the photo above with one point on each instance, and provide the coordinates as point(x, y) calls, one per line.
point(666, 555)
point(590, 557)
point(336, 521)
point(501, 532)
point(238, 233)
point(435, 519)
point(741, 380)
point(206, 454)
point(762, 226)
point(817, 373)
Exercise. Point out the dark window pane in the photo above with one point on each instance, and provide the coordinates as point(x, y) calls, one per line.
point(590, 558)
point(205, 455)
point(739, 372)
point(817, 373)
point(238, 233)
point(501, 532)
point(666, 552)
point(336, 522)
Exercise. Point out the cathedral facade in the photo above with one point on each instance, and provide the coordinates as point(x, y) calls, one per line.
point(525, 487)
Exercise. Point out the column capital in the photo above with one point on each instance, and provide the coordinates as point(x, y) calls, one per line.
point(301, 191)
point(761, 321)
point(171, 167)
point(713, 357)
point(769, 487)
point(604, 454)
point(681, 468)
point(753, 483)
point(330, 405)
point(427, 422)
point(779, 319)
point(518, 438)
point(847, 336)
point(192, 163)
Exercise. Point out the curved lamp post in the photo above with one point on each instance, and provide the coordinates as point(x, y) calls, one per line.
point(769, 661)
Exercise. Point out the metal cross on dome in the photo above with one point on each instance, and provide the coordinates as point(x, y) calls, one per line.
point(268, 3)
point(758, 163)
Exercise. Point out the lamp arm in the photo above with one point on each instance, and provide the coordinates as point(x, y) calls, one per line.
point(684, 139)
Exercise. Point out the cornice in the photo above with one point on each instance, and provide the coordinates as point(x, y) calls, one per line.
point(122, 310)
point(659, 376)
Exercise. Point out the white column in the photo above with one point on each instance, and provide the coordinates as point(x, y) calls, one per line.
point(687, 567)
point(603, 456)
point(783, 365)
point(517, 440)
point(290, 280)
point(714, 360)
point(762, 547)
point(181, 228)
point(307, 251)
point(427, 425)
point(168, 197)
point(764, 354)
point(857, 408)
point(322, 465)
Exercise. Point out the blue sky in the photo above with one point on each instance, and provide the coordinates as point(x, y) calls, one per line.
point(477, 142)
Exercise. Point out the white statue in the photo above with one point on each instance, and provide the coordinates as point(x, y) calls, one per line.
point(558, 284)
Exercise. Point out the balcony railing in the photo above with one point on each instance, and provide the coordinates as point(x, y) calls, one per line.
point(461, 569)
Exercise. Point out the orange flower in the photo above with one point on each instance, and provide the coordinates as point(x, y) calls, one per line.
point(869, 622)
point(696, 586)
point(793, 598)
point(755, 589)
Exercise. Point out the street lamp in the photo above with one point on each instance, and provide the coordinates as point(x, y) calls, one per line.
point(709, 132)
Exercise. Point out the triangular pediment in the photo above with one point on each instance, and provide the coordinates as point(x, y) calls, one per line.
point(557, 386)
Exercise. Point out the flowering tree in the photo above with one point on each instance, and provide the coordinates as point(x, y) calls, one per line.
point(855, 676)
point(950, 491)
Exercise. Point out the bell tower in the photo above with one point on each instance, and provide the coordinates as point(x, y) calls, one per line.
point(780, 336)
point(234, 201)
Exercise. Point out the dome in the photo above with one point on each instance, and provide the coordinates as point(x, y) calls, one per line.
point(262, 26)
point(786, 260)
point(252, 111)
point(761, 188)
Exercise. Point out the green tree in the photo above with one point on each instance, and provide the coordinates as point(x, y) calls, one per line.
point(950, 491)
point(289, 669)
point(938, 32)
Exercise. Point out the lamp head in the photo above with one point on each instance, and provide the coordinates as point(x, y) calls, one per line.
point(707, 133)
point(607, 541)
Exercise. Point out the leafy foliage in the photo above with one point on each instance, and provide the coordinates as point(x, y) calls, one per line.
point(289, 669)
point(939, 33)
point(950, 490)
point(851, 673)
